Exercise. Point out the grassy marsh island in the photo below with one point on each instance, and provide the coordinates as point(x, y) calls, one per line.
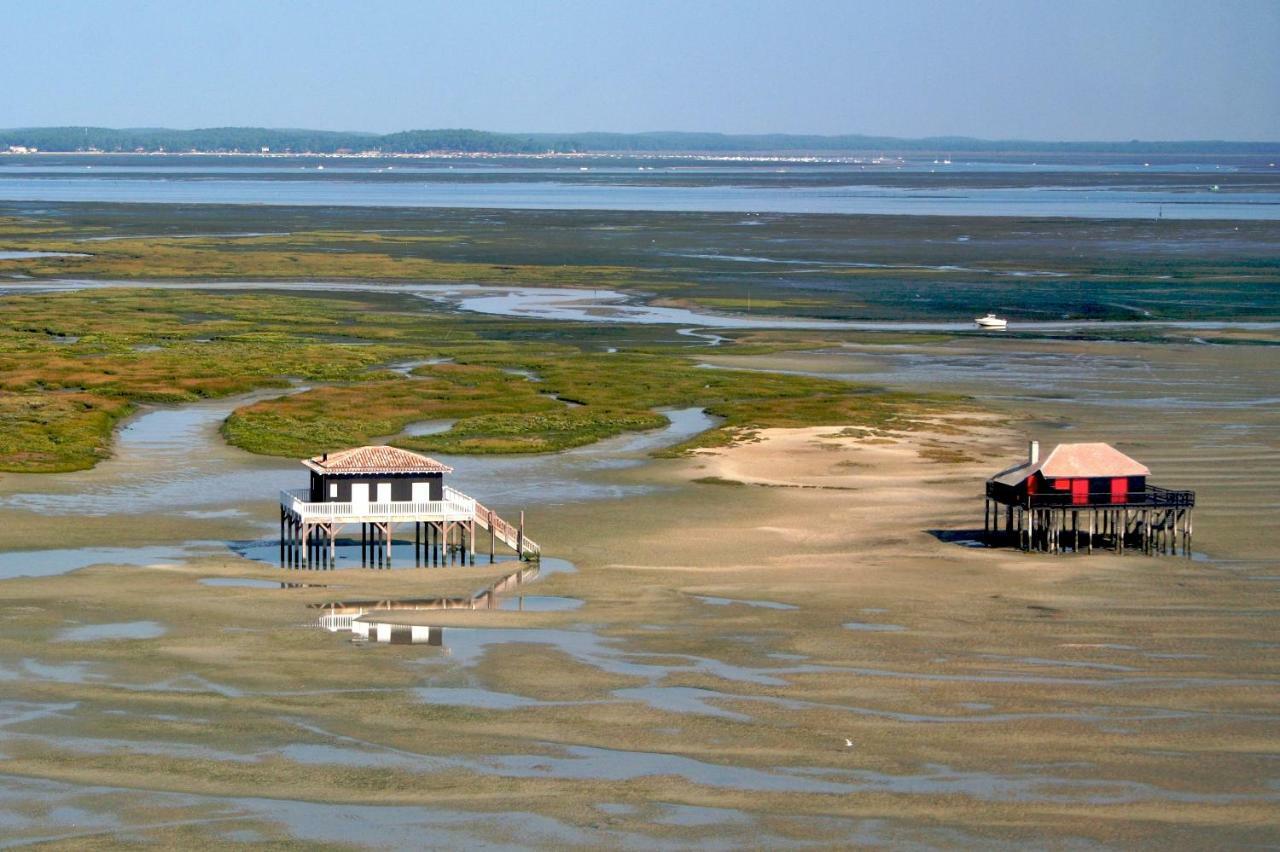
point(65, 382)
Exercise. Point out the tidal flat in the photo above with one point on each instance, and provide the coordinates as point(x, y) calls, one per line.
point(706, 689)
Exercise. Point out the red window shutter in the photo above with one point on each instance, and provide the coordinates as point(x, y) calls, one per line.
point(1079, 491)
point(1120, 489)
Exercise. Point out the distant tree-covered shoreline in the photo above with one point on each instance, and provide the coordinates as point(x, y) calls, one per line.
point(252, 140)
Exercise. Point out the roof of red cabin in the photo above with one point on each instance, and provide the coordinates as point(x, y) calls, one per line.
point(1071, 461)
point(376, 459)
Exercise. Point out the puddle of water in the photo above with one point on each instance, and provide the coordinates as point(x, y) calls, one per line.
point(615, 808)
point(18, 712)
point(47, 563)
point(56, 672)
point(244, 582)
point(940, 780)
point(873, 628)
point(404, 368)
point(427, 427)
point(681, 699)
point(539, 603)
point(589, 763)
point(36, 810)
point(466, 645)
point(29, 255)
point(714, 601)
point(479, 698)
point(694, 815)
point(360, 617)
point(1072, 664)
point(117, 630)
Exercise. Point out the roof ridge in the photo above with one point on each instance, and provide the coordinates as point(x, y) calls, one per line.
point(375, 458)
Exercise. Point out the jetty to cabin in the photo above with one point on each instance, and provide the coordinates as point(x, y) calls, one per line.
point(381, 490)
point(1082, 495)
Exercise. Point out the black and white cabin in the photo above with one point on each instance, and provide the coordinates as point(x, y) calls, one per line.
point(376, 474)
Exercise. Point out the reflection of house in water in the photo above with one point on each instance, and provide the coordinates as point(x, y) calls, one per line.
point(352, 615)
point(399, 634)
point(381, 489)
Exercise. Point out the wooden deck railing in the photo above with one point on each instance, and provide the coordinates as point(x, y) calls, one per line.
point(1153, 497)
point(452, 508)
point(455, 506)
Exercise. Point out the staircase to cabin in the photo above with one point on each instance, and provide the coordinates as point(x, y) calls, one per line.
point(506, 533)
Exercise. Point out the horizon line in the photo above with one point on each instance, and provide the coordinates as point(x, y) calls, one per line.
point(567, 134)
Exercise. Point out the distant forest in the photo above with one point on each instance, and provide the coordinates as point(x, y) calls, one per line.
point(255, 139)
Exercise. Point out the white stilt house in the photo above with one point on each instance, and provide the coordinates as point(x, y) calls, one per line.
point(382, 489)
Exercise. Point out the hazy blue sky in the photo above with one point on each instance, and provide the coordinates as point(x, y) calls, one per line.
point(1044, 69)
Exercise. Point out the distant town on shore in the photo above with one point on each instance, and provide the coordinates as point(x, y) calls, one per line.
point(258, 140)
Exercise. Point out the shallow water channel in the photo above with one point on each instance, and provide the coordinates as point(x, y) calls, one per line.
point(172, 464)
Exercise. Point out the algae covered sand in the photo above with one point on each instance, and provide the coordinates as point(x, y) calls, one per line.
point(1114, 701)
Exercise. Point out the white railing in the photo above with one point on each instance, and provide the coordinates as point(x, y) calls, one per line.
point(457, 498)
point(334, 623)
point(455, 507)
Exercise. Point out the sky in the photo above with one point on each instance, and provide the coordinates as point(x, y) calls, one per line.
point(1001, 69)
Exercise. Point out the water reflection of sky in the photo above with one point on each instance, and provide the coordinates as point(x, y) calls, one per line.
point(859, 196)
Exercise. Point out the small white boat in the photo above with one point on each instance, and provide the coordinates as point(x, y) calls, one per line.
point(991, 321)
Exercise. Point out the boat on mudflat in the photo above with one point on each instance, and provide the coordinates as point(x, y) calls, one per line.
point(991, 321)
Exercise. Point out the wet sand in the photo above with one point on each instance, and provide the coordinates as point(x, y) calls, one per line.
point(1105, 700)
point(745, 612)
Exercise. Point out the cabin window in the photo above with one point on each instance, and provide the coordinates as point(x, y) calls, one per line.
point(333, 490)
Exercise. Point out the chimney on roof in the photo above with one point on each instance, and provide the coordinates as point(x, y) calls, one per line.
point(324, 457)
point(1033, 452)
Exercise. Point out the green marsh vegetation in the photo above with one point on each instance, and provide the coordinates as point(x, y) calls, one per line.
point(837, 267)
point(76, 363)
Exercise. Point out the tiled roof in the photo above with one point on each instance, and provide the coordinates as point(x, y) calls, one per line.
point(378, 459)
point(1076, 460)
